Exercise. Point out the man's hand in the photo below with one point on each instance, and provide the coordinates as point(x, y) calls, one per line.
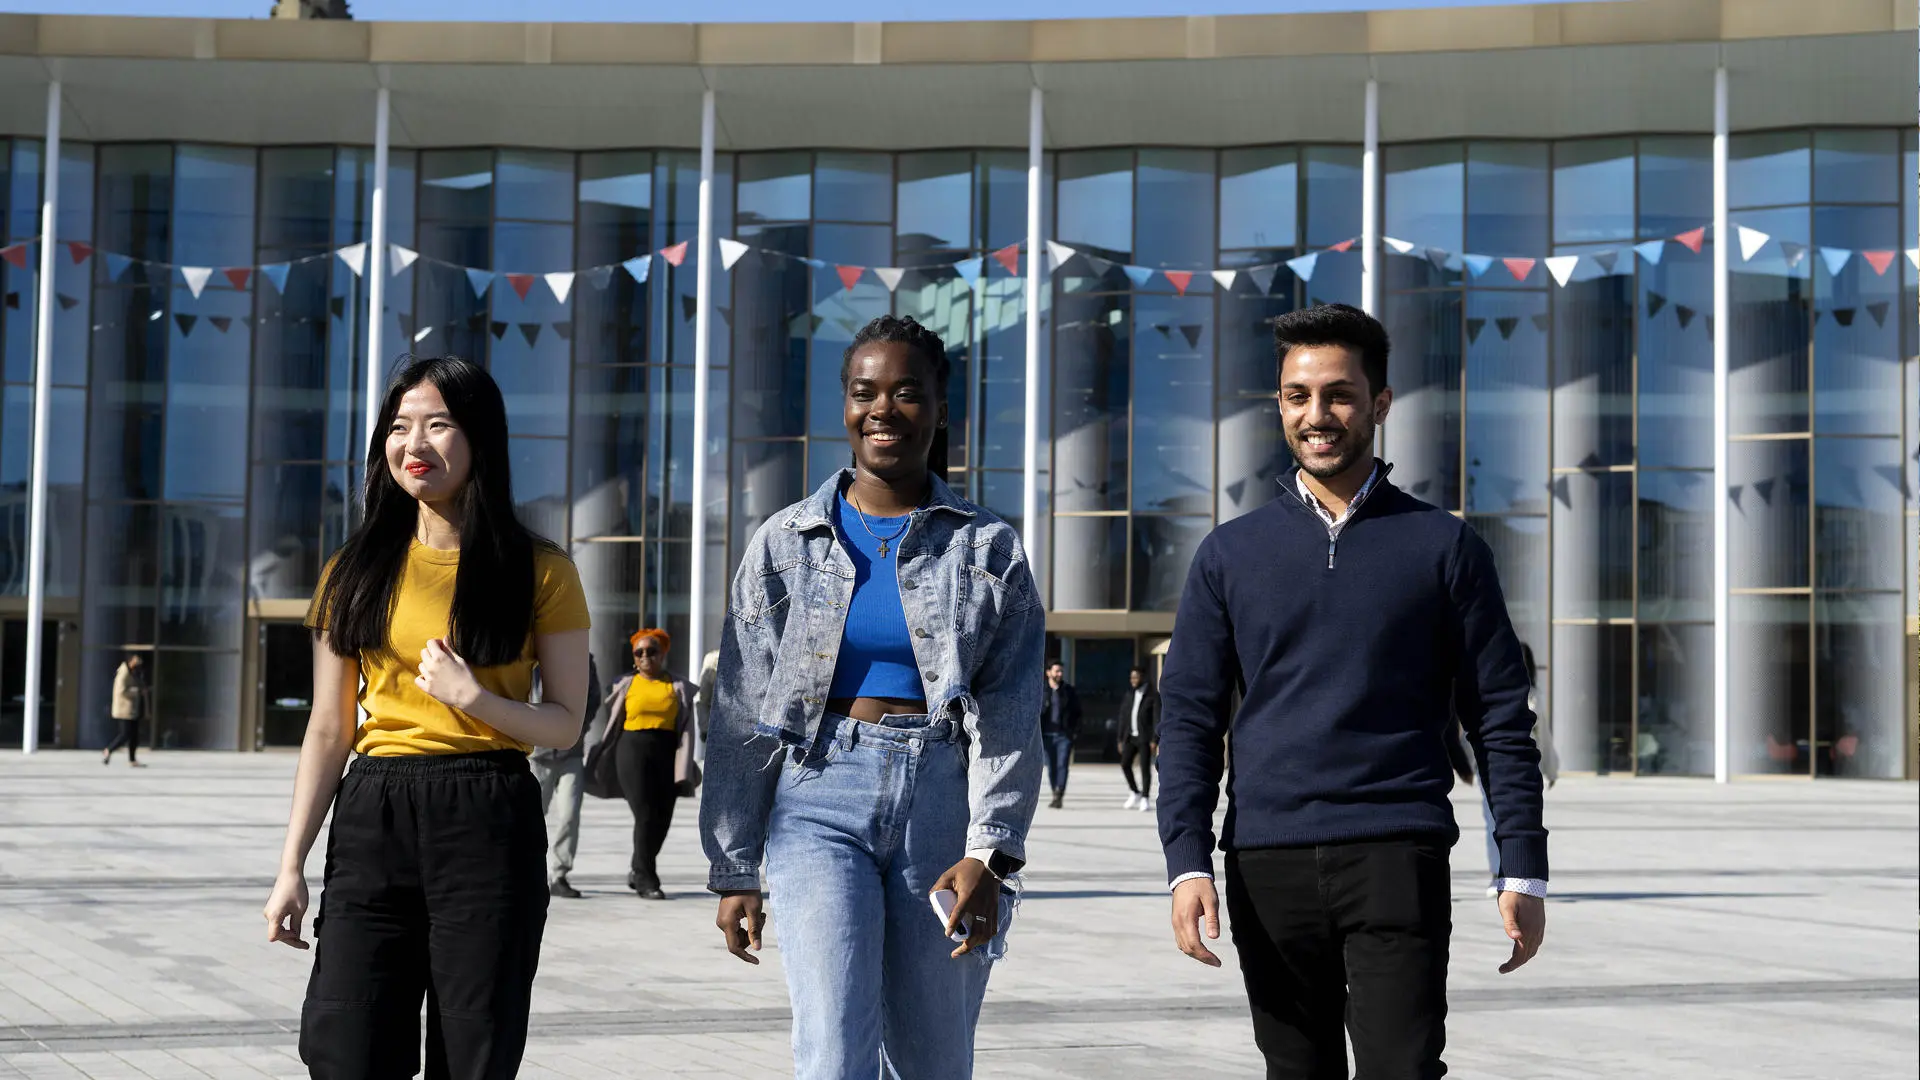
point(740, 920)
point(976, 903)
point(1194, 900)
point(1526, 919)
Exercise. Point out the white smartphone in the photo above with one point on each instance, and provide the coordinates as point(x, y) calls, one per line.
point(943, 901)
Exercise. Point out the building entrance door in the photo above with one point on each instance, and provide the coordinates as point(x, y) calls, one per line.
point(286, 683)
point(13, 680)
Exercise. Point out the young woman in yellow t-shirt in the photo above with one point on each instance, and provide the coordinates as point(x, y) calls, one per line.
point(646, 752)
point(433, 616)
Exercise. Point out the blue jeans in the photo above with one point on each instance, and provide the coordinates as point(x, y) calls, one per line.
point(1059, 750)
point(862, 827)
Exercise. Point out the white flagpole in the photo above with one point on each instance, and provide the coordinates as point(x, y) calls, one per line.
point(1030, 457)
point(1722, 333)
point(376, 266)
point(1370, 204)
point(42, 389)
point(702, 367)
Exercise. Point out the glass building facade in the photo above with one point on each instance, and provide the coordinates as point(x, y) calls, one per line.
point(206, 448)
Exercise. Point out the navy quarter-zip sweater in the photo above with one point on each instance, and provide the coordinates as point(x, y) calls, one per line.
point(1350, 658)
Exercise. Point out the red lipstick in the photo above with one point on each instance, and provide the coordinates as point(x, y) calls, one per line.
point(419, 468)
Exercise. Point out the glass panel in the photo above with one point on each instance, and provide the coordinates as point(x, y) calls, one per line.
point(1163, 549)
point(1858, 488)
point(201, 553)
point(540, 485)
point(1426, 190)
point(1095, 207)
point(1092, 347)
point(853, 187)
point(610, 576)
point(1422, 433)
point(73, 313)
point(1173, 404)
point(1856, 166)
point(1676, 184)
point(1767, 531)
point(1593, 373)
point(1676, 545)
point(609, 451)
point(1004, 176)
point(936, 201)
point(1593, 545)
point(1768, 169)
point(1519, 547)
point(775, 187)
point(1675, 732)
point(612, 322)
point(534, 185)
point(1175, 220)
point(1768, 377)
point(284, 554)
point(122, 574)
point(665, 598)
point(1592, 677)
point(209, 341)
point(1769, 682)
point(771, 302)
point(767, 478)
point(1333, 194)
point(456, 185)
point(1859, 670)
point(1676, 359)
point(531, 356)
point(1857, 324)
point(1092, 575)
point(1259, 197)
point(1003, 390)
point(1506, 198)
point(1252, 454)
point(196, 700)
point(842, 313)
point(1593, 191)
point(130, 338)
point(65, 506)
point(290, 350)
point(1506, 428)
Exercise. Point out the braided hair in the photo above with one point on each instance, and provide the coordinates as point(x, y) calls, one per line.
point(905, 330)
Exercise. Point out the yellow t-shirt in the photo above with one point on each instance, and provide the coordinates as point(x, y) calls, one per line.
point(402, 718)
point(651, 705)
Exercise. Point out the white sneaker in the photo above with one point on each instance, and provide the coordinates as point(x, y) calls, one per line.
point(1147, 804)
point(1493, 892)
point(1132, 802)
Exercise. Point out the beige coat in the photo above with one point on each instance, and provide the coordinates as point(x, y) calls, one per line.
point(129, 694)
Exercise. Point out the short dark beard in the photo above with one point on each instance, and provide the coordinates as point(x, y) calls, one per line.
point(1360, 449)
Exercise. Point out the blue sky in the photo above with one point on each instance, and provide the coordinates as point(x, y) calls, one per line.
point(735, 10)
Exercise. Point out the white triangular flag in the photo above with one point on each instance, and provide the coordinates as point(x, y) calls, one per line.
point(1913, 256)
point(355, 256)
point(1562, 267)
point(1226, 278)
point(1400, 246)
point(401, 258)
point(1057, 253)
point(730, 252)
point(561, 282)
point(1751, 241)
point(889, 276)
point(196, 278)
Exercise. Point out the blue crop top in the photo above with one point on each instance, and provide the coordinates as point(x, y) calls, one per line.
point(876, 655)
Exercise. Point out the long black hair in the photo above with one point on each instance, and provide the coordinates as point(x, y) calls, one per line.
point(493, 588)
point(906, 330)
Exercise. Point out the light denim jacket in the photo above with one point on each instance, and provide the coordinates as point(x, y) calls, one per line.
point(978, 633)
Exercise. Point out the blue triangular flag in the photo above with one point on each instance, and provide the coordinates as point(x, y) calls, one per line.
point(639, 266)
point(117, 265)
point(1303, 266)
point(1139, 275)
point(481, 280)
point(1836, 259)
point(969, 269)
point(817, 264)
point(276, 273)
point(1651, 251)
point(1477, 264)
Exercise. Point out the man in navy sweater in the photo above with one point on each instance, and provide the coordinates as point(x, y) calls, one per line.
point(1351, 621)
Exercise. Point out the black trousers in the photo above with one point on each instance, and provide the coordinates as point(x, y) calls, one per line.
point(436, 886)
point(644, 760)
point(1345, 938)
point(1132, 750)
point(129, 737)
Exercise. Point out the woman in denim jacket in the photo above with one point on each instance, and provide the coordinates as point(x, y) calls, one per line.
point(875, 734)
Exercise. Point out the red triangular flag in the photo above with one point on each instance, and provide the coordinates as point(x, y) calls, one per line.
point(1692, 239)
point(1344, 245)
point(1879, 260)
point(239, 275)
point(1519, 268)
point(17, 255)
point(676, 254)
point(1180, 279)
point(80, 251)
point(520, 282)
point(850, 275)
point(1009, 257)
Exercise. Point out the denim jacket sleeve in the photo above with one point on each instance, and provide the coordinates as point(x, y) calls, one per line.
point(740, 771)
point(1003, 756)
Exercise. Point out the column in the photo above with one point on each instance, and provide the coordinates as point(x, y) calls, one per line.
point(702, 367)
point(376, 266)
point(42, 390)
point(1722, 339)
point(1030, 464)
point(1370, 204)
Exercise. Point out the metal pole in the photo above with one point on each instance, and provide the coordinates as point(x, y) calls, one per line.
point(1030, 456)
point(42, 389)
point(1722, 335)
point(1370, 205)
point(702, 369)
point(376, 266)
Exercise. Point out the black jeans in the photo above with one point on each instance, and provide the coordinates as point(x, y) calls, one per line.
point(1345, 938)
point(436, 885)
point(129, 737)
point(1132, 750)
point(644, 760)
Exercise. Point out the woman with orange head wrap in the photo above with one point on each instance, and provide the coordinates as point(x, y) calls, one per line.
point(645, 752)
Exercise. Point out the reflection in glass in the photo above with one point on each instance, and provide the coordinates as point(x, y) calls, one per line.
point(1089, 563)
point(1003, 175)
point(610, 576)
point(609, 451)
point(1859, 666)
point(771, 326)
point(612, 324)
point(1767, 530)
point(1675, 531)
point(1506, 197)
point(1506, 427)
point(1163, 549)
point(283, 552)
point(530, 359)
point(202, 554)
point(767, 478)
point(1593, 373)
point(1091, 348)
point(775, 187)
point(1173, 404)
point(1857, 486)
point(1593, 191)
point(1519, 546)
point(1676, 184)
point(1095, 207)
point(1175, 218)
point(122, 574)
point(1426, 193)
point(1592, 678)
point(1676, 361)
point(1768, 370)
point(1768, 169)
point(1769, 680)
point(1856, 330)
point(1674, 736)
point(1333, 190)
point(1003, 390)
point(1593, 546)
point(935, 196)
point(540, 485)
point(534, 185)
point(842, 312)
point(1422, 434)
point(1856, 166)
point(193, 700)
point(1259, 197)
point(853, 187)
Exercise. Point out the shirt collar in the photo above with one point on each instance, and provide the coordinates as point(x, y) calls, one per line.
point(1307, 496)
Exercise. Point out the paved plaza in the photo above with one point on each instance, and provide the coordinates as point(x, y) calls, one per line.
point(1763, 929)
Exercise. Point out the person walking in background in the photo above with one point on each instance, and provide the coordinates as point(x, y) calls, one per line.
point(645, 753)
point(443, 603)
point(875, 735)
point(131, 697)
point(562, 787)
point(1352, 622)
point(1139, 722)
point(1059, 726)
